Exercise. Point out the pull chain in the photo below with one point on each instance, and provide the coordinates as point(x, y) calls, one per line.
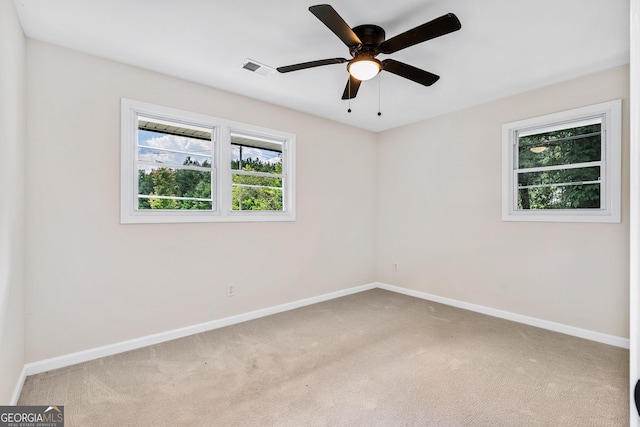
point(379, 95)
point(349, 85)
point(379, 84)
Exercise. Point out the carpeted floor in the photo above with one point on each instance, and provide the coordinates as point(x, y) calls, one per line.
point(375, 358)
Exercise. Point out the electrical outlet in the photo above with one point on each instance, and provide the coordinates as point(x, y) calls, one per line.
point(231, 290)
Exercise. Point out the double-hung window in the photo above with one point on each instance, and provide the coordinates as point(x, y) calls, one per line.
point(256, 173)
point(179, 166)
point(174, 165)
point(564, 166)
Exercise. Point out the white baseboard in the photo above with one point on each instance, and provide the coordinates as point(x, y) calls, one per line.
point(120, 347)
point(18, 389)
point(532, 321)
point(108, 350)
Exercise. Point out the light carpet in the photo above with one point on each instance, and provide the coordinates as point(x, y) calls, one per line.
point(376, 358)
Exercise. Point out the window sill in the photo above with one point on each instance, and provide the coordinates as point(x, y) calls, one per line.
point(562, 216)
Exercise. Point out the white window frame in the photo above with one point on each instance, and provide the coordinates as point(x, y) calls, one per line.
point(611, 164)
point(220, 168)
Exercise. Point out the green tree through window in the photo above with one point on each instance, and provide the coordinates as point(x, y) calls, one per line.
point(184, 167)
point(560, 169)
point(257, 182)
point(180, 188)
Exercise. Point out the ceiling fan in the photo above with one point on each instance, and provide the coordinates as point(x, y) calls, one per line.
point(365, 42)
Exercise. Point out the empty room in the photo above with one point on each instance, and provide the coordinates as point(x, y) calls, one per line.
point(289, 213)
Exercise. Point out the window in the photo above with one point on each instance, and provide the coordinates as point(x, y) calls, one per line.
point(256, 174)
point(563, 166)
point(179, 166)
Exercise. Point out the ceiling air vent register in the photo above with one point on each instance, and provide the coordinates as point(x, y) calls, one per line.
point(257, 67)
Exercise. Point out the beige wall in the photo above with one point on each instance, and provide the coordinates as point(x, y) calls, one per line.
point(432, 205)
point(92, 281)
point(12, 116)
point(439, 217)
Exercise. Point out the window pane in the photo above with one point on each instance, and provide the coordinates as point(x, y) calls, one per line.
point(255, 159)
point(256, 198)
point(250, 192)
point(172, 148)
point(152, 155)
point(256, 193)
point(562, 147)
point(257, 180)
point(176, 186)
point(558, 197)
point(577, 188)
point(181, 205)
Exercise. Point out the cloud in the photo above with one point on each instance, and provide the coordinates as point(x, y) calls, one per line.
point(152, 148)
point(160, 149)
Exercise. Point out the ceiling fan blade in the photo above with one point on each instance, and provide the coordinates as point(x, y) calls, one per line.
point(311, 64)
point(335, 23)
point(438, 27)
point(351, 89)
point(409, 72)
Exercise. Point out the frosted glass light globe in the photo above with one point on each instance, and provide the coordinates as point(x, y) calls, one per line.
point(364, 69)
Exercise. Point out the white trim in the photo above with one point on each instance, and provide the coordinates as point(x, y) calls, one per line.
point(120, 347)
point(611, 114)
point(19, 385)
point(634, 217)
point(559, 126)
point(532, 321)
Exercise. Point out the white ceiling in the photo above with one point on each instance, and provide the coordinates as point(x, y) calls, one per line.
point(504, 47)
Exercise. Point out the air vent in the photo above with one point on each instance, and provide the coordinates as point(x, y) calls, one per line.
point(258, 68)
point(251, 66)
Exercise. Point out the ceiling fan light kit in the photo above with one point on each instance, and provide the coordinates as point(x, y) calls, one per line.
point(364, 67)
point(365, 42)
